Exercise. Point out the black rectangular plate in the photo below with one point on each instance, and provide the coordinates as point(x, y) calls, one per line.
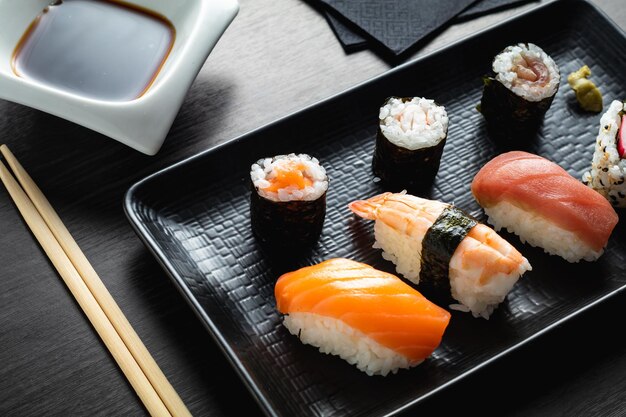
point(194, 217)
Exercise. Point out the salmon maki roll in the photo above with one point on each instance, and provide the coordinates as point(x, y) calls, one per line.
point(288, 201)
point(369, 318)
point(432, 241)
point(544, 205)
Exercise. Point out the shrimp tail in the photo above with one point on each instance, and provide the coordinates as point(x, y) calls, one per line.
point(368, 209)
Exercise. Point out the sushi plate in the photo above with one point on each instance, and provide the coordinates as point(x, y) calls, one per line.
point(199, 230)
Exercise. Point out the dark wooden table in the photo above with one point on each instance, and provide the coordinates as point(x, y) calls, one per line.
point(277, 57)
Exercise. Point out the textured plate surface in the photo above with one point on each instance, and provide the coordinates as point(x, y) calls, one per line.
point(194, 217)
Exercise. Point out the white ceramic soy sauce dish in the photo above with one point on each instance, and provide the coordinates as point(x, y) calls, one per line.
point(141, 123)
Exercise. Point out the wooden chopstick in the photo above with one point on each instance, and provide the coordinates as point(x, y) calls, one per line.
point(46, 219)
point(84, 297)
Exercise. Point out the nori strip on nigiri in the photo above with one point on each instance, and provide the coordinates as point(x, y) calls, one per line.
point(440, 242)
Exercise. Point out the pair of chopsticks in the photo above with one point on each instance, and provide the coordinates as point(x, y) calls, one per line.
point(143, 373)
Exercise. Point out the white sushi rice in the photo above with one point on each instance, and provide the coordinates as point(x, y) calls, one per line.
point(334, 337)
point(506, 62)
point(403, 250)
point(608, 170)
point(414, 124)
point(539, 232)
point(264, 170)
point(479, 299)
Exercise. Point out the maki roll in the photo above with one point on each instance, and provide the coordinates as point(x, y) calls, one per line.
point(409, 143)
point(544, 205)
point(437, 243)
point(369, 318)
point(288, 200)
point(608, 166)
point(516, 98)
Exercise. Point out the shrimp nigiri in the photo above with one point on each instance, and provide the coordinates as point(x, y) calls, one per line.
point(369, 318)
point(435, 241)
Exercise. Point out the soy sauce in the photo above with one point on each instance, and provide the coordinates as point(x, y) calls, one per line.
point(98, 49)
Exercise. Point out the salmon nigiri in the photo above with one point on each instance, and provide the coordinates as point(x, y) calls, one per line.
point(437, 242)
point(369, 318)
point(544, 205)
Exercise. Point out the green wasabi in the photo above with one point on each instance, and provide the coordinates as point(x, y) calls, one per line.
point(587, 94)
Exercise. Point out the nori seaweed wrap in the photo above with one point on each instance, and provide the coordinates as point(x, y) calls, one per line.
point(411, 136)
point(288, 201)
point(440, 242)
point(516, 99)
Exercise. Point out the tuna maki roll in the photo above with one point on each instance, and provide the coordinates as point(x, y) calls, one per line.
point(411, 135)
point(288, 200)
point(608, 166)
point(516, 98)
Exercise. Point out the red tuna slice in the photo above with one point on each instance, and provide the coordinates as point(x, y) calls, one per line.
point(540, 186)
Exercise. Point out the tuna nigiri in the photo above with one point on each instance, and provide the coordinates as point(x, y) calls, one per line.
point(369, 318)
point(544, 205)
point(432, 240)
